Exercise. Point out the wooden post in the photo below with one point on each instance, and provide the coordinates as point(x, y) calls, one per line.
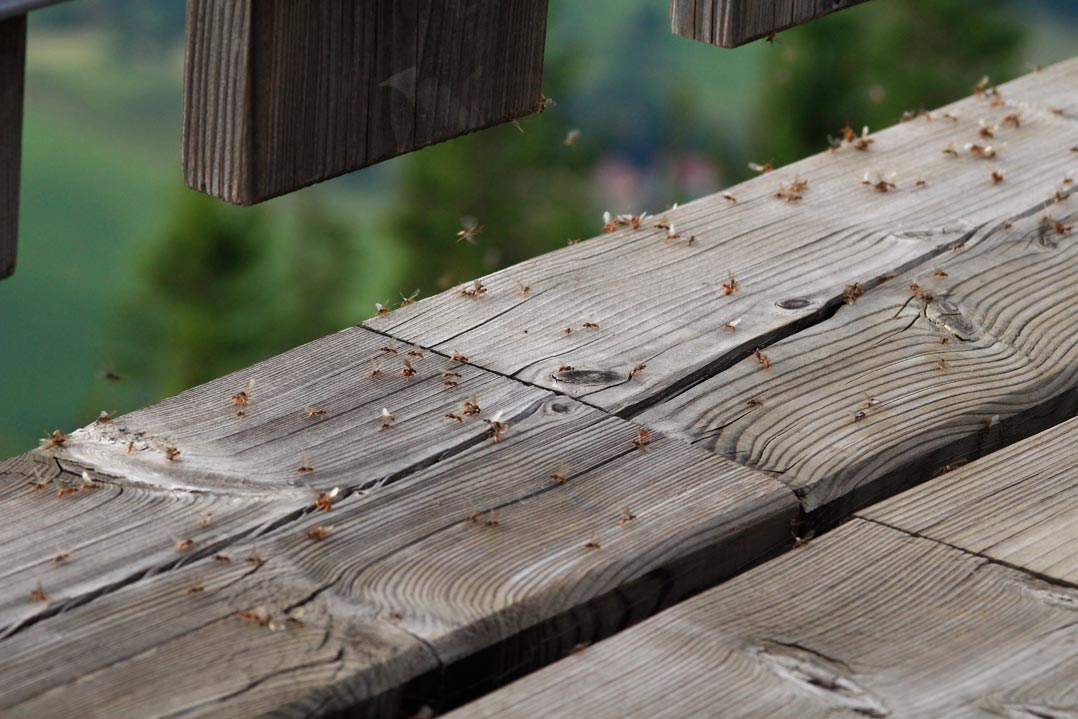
point(282, 94)
point(729, 23)
point(12, 70)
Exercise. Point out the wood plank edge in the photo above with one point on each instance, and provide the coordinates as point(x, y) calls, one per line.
point(12, 91)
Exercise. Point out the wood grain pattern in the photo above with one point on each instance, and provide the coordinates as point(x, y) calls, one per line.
point(448, 555)
point(280, 95)
point(888, 392)
point(12, 79)
point(1018, 506)
point(729, 23)
point(663, 304)
point(865, 622)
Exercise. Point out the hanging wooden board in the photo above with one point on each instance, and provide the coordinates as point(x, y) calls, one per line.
point(729, 23)
point(12, 65)
point(279, 95)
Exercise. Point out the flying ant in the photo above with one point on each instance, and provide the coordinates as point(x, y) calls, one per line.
point(475, 291)
point(455, 356)
point(385, 420)
point(496, 427)
point(762, 359)
point(852, 293)
point(38, 594)
point(171, 454)
point(318, 533)
point(590, 326)
point(1014, 119)
point(731, 286)
point(305, 469)
point(642, 440)
point(567, 331)
point(524, 289)
point(938, 273)
point(389, 348)
point(408, 371)
point(223, 559)
point(571, 137)
point(793, 192)
point(882, 184)
point(103, 418)
point(560, 475)
point(983, 151)
point(205, 519)
point(184, 544)
point(325, 500)
point(564, 368)
point(593, 543)
point(61, 558)
point(243, 397)
point(470, 230)
point(762, 169)
point(410, 300)
point(941, 364)
point(626, 517)
point(255, 559)
point(637, 370)
point(950, 150)
point(376, 370)
point(727, 196)
point(196, 587)
point(997, 177)
point(471, 405)
point(55, 440)
point(732, 324)
point(454, 417)
point(986, 131)
point(382, 310)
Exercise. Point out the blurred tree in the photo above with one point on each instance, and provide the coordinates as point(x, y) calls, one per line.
point(869, 64)
point(222, 287)
point(527, 187)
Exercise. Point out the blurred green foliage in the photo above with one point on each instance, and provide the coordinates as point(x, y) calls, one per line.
point(122, 270)
point(869, 66)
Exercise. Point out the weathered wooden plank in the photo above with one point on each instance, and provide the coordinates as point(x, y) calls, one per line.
point(867, 621)
point(103, 535)
point(729, 23)
point(1018, 506)
point(664, 304)
point(447, 555)
point(12, 79)
point(280, 95)
point(893, 389)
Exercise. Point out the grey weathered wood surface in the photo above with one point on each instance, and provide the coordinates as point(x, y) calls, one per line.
point(407, 593)
point(453, 563)
point(1006, 309)
point(12, 65)
point(279, 95)
point(729, 23)
point(663, 304)
point(867, 621)
point(1019, 506)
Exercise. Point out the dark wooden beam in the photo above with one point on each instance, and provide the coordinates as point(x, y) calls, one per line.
point(12, 73)
point(729, 23)
point(280, 94)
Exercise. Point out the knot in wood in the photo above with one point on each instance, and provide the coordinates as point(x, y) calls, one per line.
point(948, 317)
point(591, 377)
point(793, 303)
